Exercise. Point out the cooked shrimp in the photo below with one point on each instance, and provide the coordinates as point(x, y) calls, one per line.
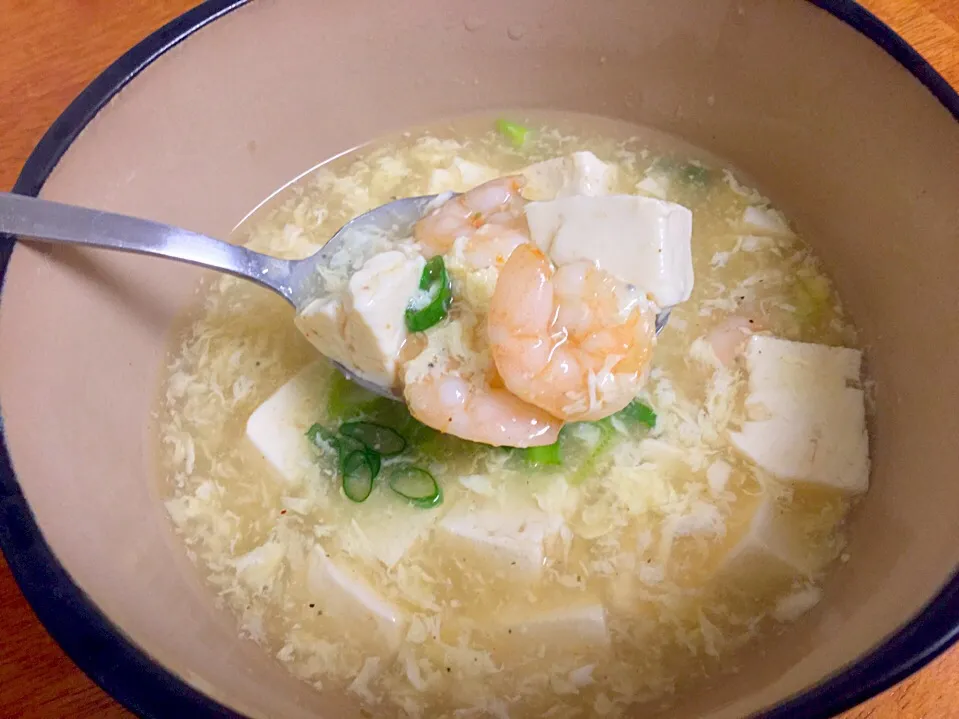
point(475, 411)
point(729, 336)
point(491, 245)
point(449, 386)
point(490, 217)
point(575, 342)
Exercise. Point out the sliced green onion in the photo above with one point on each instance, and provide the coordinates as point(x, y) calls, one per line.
point(428, 308)
point(640, 412)
point(547, 454)
point(320, 436)
point(695, 175)
point(593, 459)
point(512, 131)
point(347, 399)
point(360, 468)
point(372, 458)
point(382, 440)
point(417, 485)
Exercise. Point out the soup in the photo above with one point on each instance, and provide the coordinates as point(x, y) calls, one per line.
point(625, 563)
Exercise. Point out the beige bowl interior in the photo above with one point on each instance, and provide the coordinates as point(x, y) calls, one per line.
point(857, 151)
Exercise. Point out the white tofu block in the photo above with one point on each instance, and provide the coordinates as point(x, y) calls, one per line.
point(640, 240)
point(768, 547)
point(377, 298)
point(323, 323)
point(509, 542)
point(365, 328)
point(277, 428)
point(343, 592)
point(808, 424)
point(581, 173)
point(460, 176)
point(576, 628)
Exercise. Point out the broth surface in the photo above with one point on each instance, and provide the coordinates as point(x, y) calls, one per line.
point(635, 597)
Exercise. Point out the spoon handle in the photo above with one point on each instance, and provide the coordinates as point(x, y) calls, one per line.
point(55, 222)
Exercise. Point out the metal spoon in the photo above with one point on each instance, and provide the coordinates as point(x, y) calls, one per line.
point(295, 280)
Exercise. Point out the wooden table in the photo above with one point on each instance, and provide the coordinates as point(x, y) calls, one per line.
point(50, 50)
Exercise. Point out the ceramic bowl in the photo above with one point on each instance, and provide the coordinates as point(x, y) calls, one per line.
point(839, 121)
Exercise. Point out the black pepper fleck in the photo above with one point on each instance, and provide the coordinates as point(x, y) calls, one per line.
point(312, 605)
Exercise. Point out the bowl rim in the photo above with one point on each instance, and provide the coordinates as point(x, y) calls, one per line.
point(140, 683)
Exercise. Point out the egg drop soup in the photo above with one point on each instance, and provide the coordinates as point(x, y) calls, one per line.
point(620, 566)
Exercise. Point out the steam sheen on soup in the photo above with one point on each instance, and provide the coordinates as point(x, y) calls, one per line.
point(616, 567)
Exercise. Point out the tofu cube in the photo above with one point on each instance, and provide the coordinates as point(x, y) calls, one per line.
point(366, 329)
point(343, 592)
point(768, 551)
point(277, 428)
point(507, 542)
point(808, 420)
point(640, 240)
point(581, 627)
point(323, 323)
point(581, 173)
point(375, 323)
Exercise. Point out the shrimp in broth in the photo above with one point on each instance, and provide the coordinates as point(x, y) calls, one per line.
point(450, 387)
point(489, 218)
point(575, 342)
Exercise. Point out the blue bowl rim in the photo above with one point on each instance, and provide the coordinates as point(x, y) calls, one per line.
point(133, 678)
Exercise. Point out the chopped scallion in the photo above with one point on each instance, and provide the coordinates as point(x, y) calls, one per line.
point(321, 436)
point(589, 466)
point(422, 313)
point(383, 440)
point(360, 468)
point(347, 399)
point(547, 454)
point(512, 131)
point(696, 175)
point(640, 412)
point(417, 485)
